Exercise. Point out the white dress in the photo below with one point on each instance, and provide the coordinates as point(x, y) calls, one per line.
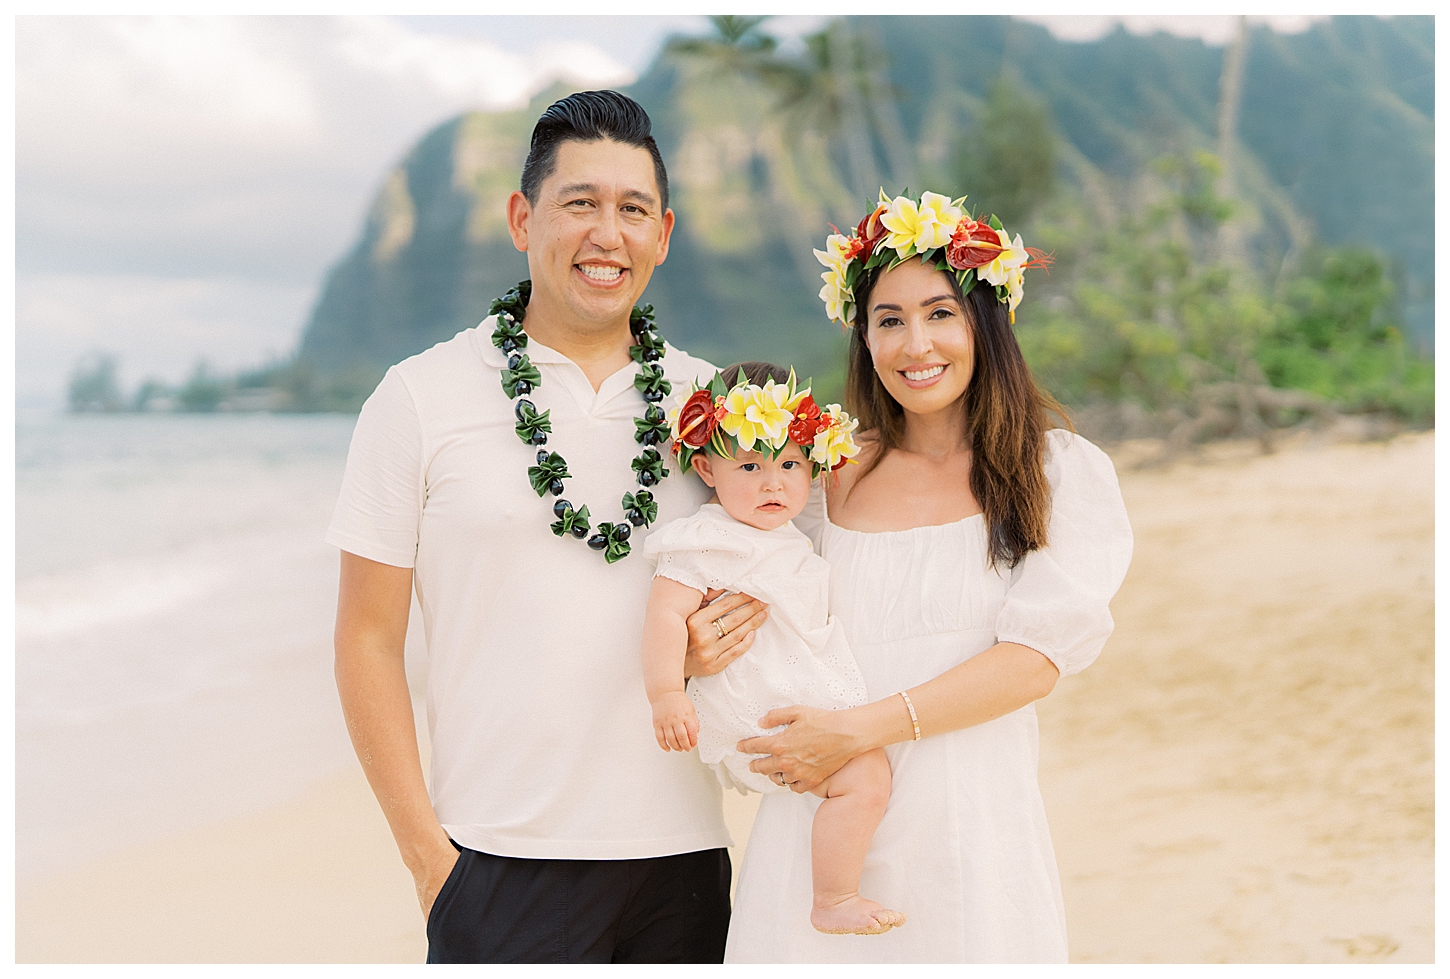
point(964, 849)
point(799, 655)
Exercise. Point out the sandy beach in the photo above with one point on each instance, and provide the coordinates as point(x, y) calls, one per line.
point(1246, 775)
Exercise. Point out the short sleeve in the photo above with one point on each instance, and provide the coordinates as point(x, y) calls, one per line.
point(702, 551)
point(812, 518)
point(380, 505)
point(1057, 598)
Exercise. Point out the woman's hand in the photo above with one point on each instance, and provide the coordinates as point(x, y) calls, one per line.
point(815, 745)
point(708, 652)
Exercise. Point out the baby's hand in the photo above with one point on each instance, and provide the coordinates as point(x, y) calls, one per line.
point(675, 722)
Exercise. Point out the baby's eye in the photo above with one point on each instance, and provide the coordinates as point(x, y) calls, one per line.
point(790, 464)
point(749, 467)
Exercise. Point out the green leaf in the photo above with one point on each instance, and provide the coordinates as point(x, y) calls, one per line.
point(644, 502)
point(526, 372)
point(533, 421)
point(571, 519)
point(642, 428)
point(553, 467)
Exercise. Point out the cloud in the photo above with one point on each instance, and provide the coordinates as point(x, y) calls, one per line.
point(181, 156)
point(1216, 30)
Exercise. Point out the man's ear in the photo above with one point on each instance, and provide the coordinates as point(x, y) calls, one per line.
point(700, 462)
point(517, 212)
point(667, 225)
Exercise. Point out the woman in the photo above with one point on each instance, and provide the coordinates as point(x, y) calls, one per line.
point(973, 553)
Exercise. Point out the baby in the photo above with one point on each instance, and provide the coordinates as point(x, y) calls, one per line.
point(759, 444)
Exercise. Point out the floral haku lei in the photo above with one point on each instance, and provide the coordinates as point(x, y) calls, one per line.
point(935, 227)
point(721, 418)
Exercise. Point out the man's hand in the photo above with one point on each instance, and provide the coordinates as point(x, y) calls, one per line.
point(739, 615)
point(430, 875)
point(676, 726)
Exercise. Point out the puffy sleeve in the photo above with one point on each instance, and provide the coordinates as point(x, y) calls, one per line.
point(1057, 597)
point(812, 518)
point(703, 551)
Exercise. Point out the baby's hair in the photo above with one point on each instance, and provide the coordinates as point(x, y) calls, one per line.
point(757, 372)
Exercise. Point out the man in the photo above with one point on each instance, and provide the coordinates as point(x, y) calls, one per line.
point(556, 830)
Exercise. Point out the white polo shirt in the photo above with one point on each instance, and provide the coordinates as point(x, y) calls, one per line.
point(542, 740)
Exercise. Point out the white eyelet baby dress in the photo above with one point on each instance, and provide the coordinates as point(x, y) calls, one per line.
point(799, 656)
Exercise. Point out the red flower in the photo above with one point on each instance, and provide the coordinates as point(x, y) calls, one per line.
point(697, 420)
point(871, 230)
point(973, 244)
point(808, 423)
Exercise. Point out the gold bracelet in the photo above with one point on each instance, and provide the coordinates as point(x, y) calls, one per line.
point(915, 725)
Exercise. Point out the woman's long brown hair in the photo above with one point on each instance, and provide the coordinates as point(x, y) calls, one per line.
point(1006, 416)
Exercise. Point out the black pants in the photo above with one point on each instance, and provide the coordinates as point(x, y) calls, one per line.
point(511, 909)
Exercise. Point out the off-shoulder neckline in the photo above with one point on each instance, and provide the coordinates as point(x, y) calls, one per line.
point(826, 511)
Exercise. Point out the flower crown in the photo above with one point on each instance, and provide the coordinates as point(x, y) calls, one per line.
point(901, 228)
point(765, 419)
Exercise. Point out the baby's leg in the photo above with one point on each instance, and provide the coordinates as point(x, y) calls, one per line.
point(853, 802)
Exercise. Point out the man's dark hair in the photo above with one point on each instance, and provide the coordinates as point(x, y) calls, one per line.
point(587, 117)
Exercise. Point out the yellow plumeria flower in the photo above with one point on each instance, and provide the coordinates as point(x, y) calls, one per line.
point(835, 295)
point(834, 442)
point(922, 227)
point(1014, 290)
point(834, 257)
point(1010, 258)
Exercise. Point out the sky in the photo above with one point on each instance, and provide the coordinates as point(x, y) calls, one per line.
point(183, 184)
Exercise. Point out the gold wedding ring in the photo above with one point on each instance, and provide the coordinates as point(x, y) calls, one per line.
point(720, 628)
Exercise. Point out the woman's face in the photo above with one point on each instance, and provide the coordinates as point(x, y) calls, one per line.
point(919, 337)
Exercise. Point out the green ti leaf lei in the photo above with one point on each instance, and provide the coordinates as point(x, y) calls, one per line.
point(533, 427)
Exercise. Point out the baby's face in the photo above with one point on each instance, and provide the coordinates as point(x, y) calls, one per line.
point(758, 490)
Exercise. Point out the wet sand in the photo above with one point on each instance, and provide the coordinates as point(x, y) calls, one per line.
point(1246, 775)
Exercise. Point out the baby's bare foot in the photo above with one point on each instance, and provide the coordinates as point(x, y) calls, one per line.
point(855, 916)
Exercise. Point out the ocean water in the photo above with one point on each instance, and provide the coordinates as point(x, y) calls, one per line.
point(173, 624)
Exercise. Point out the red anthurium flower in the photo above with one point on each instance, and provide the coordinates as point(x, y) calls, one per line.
point(973, 244)
point(871, 230)
point(697, 419)
point(807, 424)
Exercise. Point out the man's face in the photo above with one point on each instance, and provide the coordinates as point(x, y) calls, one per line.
point(596, 233)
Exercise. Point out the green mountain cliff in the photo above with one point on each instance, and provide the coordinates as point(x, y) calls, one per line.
point(1332, 143)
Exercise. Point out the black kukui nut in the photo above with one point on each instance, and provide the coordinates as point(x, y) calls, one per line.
point(654, 395)
point(651, 354)
point(643, 497)
point(543, 456)
point(522, 387)
point(515, 361)
point(519, 408)
point(621, 531)
point(650, 437)
point(562, 507)
point(654, 414)
point(578, 530)
point(556, 486)
point(507, 345)
point(635, 517)
point(646, 478)
point(539, 437)
point(599, 542)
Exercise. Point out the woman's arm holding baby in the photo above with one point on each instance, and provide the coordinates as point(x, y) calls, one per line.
point(995, 682)
point(665, 638)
